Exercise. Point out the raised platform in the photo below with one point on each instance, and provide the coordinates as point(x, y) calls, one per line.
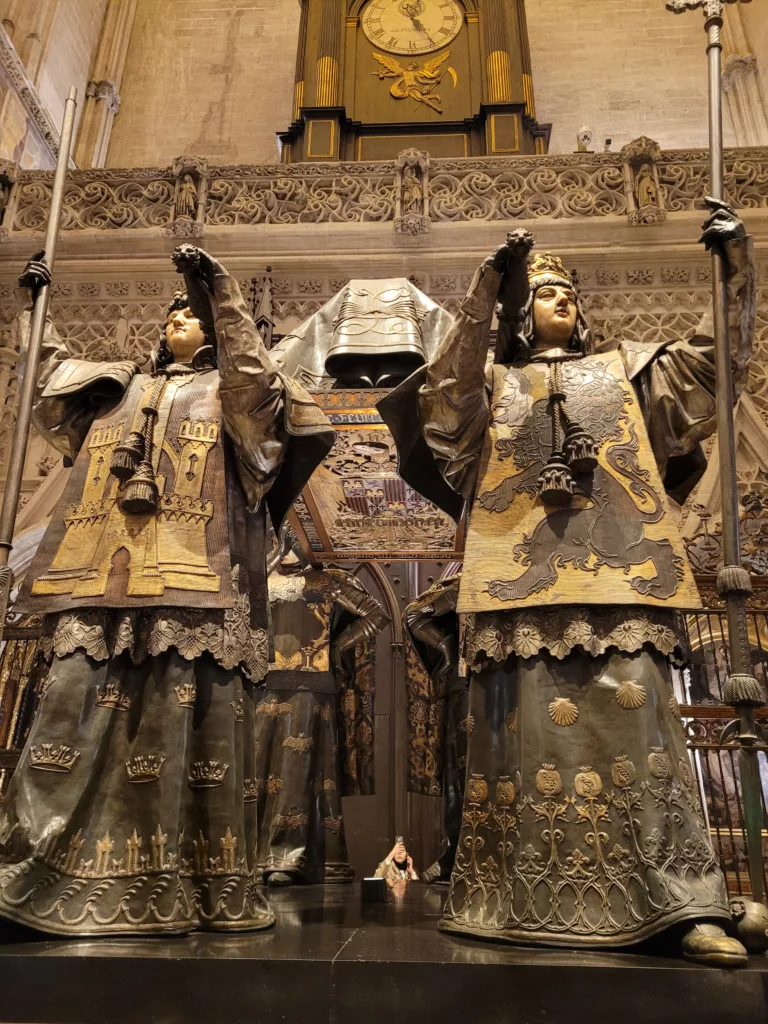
point(330, 960)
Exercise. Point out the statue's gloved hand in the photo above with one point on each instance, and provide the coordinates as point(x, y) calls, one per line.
point(199, 270)
point(36, 273)
point(723, 225)
point(195, 264)
point(515, 250)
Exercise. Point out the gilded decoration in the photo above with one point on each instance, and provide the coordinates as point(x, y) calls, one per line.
point(300, 744)
point(414, 81)
point(144, 768)
point(159, 512)
point(226, 634)
point(563, 711)
point(48, 758)
point(538, 889)
point(493, 637)
point(631, 695)
point(356, 503)
point(206, 774)
point(111, 696)
point(620, 549)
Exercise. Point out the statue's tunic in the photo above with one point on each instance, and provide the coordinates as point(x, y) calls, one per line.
point(581, 823)
point(314, 722)
point(439, 723)
point(129, 810)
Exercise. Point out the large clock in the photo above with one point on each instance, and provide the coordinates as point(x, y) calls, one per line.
point(411, 26)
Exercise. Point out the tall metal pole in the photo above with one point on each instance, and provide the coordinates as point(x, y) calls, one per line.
point(742, 690)
point(29, 382)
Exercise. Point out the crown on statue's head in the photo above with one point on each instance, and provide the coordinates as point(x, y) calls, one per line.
point(547, 265)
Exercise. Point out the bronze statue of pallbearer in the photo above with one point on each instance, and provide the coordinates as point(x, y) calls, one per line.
point(582, 824)
point(128, 812)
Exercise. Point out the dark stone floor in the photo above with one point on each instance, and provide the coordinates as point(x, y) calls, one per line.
point(329, 959)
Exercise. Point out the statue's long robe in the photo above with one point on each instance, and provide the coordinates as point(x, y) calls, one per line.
point(128, 812)
point(439, 723)
point(582, 824)
point(314, 731)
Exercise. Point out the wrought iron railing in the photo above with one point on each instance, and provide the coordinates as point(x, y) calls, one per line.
point(716, 764)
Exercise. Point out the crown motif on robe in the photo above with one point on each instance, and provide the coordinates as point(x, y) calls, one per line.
point(546, 264)
point(144, 767)
point(185, 695)
point(203, 774)
point(48, 758)
point(113, 697)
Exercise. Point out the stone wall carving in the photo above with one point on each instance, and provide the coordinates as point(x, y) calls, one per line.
point(574, 185)
point(97, 200)
point(303, 194)
point(14, 68)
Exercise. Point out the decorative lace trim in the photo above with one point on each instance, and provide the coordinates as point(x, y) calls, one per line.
point(226, 634)
point(494, 636)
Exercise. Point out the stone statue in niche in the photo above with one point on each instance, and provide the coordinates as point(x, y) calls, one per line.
point(186, 198)
point(645, 200)
point(573, 569)
point(645, 187)
point(314, 719)
point(129, 808)
point(411, 192)
point(191, 175)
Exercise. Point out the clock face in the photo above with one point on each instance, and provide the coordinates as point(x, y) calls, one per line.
point(411, 26)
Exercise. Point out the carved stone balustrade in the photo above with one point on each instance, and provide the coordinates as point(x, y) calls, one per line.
point(579, 185)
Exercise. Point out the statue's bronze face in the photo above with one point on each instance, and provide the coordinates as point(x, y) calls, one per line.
point(554, 316)
point(184, 334)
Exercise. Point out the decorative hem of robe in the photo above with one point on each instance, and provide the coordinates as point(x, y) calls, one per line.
point(582, 823)
point(130, 809)
point(494, 636)
point(41, 896)
point(569, 940)
point(225, 633)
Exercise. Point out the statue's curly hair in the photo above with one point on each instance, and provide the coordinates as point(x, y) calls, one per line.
point(161, 354)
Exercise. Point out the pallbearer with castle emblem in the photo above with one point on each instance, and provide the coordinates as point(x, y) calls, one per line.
point(581, 824)
point(129, 811)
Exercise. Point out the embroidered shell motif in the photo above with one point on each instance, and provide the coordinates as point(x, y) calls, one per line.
point(563, 711)
point(631, 695)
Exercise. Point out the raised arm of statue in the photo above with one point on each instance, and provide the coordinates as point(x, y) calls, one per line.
point(370, 618)
point(70, 392)
point(675, 381)
point(433, 626)
point(276, 428)
point(454, 401)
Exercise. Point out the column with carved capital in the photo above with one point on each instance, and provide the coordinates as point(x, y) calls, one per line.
point(102, 95)
point(740, 83)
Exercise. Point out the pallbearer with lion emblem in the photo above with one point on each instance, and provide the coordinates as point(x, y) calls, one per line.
point(582, 824)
